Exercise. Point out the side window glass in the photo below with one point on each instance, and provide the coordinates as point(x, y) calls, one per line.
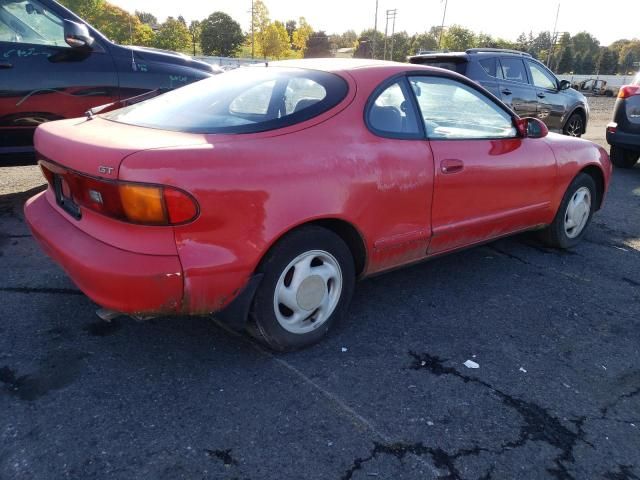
point(452, 110)
point(302, 93)
point(513, 70)
point(490, 66)
point(29, 22)
point(392, 113)
point(541, 78)
point(254, 101)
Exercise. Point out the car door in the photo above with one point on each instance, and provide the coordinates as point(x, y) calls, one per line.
point(551, 100)
point(41, 77)
point(515, 89)
point(488, 180)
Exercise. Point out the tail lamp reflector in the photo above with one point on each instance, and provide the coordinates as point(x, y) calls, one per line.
point(138, 203)
point(629, 91)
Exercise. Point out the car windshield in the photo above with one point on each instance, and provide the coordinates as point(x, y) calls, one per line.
point(245, 100)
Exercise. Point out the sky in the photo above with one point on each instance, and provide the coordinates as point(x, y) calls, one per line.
point(499, 18)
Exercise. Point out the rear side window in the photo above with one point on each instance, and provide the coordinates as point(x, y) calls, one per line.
point(490, 66)
point(513, 70)
point(459, 66)
point(245, 100)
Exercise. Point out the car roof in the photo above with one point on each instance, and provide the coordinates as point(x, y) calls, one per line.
point(471, 51)
point(336, 64)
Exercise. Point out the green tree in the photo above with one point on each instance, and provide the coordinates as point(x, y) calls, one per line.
point(220, 35)
point(275, 41)
point(195, 29)
point(364, 48)
point(566, 60)
point(87, 9)
point(318, 45)
point(301, 35)
point(261, 22)
point(291, 27)
point(607, 61)
point(146, 17)
point(173, 35)
point(457, 38)
point(423, 42)
point(401, 47)
point(588, 64)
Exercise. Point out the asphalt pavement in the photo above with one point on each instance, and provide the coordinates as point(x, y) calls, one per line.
point(555, 336)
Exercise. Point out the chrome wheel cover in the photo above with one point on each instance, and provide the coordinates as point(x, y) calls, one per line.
point(577, 214)
point(307, 292)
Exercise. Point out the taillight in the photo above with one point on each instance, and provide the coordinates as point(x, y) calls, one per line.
point(139, 203)
point(629, 91)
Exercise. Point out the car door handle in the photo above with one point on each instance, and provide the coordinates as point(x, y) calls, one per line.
point(451, 166)
point(541, 95)
point(6, 65)
point(506, 91)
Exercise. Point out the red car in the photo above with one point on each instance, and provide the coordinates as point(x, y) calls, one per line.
point(265, 192)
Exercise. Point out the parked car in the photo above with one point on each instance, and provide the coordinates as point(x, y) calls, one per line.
point(595, 87)
point(522, 82)
point(265, 192)
point(623, 133)
point(53, 65)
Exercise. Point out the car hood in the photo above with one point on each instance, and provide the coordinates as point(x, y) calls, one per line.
point(168, 56)
point(97, 147)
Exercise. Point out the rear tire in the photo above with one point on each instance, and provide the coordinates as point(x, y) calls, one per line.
point(574, 214)
point(623, 158)
point(309, 278)
point(575, 126)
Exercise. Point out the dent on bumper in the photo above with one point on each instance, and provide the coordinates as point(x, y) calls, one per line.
point(116, 279)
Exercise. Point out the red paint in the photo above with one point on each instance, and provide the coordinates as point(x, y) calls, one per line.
point(254, 188)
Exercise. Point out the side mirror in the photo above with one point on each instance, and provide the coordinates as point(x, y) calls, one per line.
point(565, 84)
point(77, 35)
point(531, 128)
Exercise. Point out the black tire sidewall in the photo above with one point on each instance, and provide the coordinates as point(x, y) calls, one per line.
point(274, 263)
point(557, 236)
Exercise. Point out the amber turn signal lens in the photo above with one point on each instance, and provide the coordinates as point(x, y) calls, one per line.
point(143, 204)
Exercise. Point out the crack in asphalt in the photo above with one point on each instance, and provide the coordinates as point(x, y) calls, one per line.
point(441, 459)
point(604, 411)
point(44, 290)
point(539, 425)
point(223, 455)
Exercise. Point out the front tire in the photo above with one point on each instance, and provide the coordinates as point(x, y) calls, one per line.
point(309, 278)
point(574, 215)
point(575, 126)
point(623, 158)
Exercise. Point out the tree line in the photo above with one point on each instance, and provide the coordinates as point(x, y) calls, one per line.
point(221, 35)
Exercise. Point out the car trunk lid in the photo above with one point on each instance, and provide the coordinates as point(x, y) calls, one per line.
point(97, 147)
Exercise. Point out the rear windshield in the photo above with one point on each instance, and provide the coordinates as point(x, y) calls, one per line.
point(245, 100)
point(453, 65)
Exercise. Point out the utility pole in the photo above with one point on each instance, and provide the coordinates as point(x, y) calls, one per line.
point(446, 2)
point(253, 31)
point(375, 33)
point(553, 37)
point(391, 15)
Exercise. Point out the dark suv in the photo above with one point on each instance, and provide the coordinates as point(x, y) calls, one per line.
point(522, 82)
point(53, 65)
point(623, 133)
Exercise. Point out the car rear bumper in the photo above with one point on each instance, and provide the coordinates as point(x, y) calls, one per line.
point(629, 141)
point(124, 281)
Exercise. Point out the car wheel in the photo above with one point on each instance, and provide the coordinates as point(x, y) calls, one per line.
point(309, 277)
point(575, 126)
point(622, 158)
point(573, 216)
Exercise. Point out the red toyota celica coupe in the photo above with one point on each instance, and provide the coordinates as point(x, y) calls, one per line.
point(263, 194)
